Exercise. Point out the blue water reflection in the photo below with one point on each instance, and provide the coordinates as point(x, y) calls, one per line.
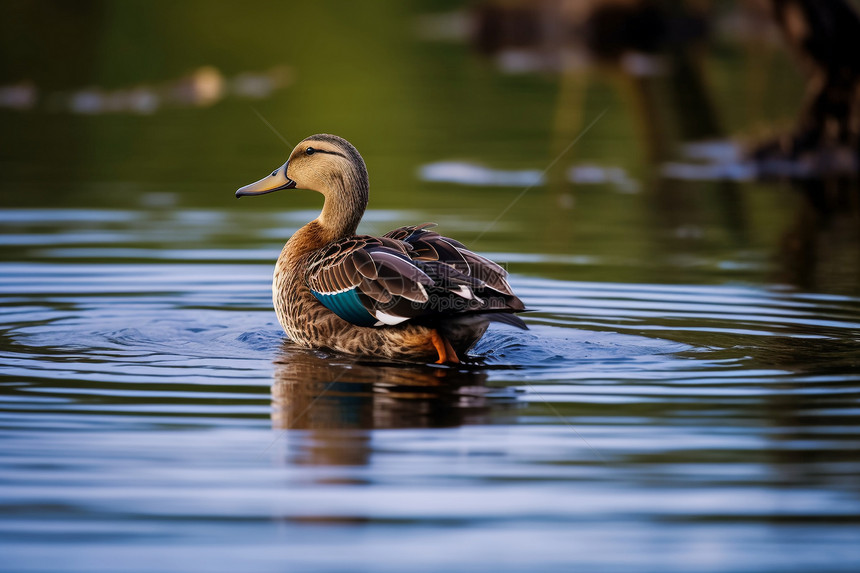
point(152, 411)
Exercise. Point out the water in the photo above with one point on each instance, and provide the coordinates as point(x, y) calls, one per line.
point(154, 417)
point(686, 398)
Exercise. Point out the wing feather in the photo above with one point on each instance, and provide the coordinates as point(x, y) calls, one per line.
point(409, 273)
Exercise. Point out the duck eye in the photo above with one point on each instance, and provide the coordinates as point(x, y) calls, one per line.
point(310, 150)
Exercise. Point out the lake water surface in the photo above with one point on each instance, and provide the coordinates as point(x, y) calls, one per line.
point(687, 397)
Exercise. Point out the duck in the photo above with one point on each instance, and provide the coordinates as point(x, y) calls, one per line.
point(409, 295)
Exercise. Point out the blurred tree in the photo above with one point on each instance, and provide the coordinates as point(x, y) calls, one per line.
point(825, 34)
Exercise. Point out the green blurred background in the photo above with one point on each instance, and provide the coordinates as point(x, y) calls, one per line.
point(409, 84)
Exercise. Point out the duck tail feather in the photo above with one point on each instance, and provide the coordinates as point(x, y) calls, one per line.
point(506, 318)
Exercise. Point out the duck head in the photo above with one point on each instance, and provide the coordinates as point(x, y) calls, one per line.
point(329, 165)
point(324, 163)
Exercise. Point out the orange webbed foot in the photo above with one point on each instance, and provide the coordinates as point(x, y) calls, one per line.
point(443, 348)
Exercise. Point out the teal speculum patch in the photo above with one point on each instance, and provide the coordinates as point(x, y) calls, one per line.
point(347, 305)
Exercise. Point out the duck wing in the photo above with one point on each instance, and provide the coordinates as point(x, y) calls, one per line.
point(410, 273)
point(430, 246)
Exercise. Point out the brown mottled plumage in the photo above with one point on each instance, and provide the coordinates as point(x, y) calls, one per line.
point(411, 294)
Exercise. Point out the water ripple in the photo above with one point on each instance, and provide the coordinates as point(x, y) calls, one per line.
point(159, 400)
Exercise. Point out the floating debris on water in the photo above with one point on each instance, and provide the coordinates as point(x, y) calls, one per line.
point(729, 161)
point(597, 175)
point(203, 87)
point(740, 171)
point(465, 173)
point(477, 175)
point(20, 96)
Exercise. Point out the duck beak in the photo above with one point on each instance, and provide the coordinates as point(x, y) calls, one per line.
point(276, 181)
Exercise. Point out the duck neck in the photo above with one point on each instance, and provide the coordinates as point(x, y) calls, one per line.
point(345, 202)
point(346, 197)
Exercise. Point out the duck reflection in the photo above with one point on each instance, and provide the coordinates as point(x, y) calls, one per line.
point(340, 399)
